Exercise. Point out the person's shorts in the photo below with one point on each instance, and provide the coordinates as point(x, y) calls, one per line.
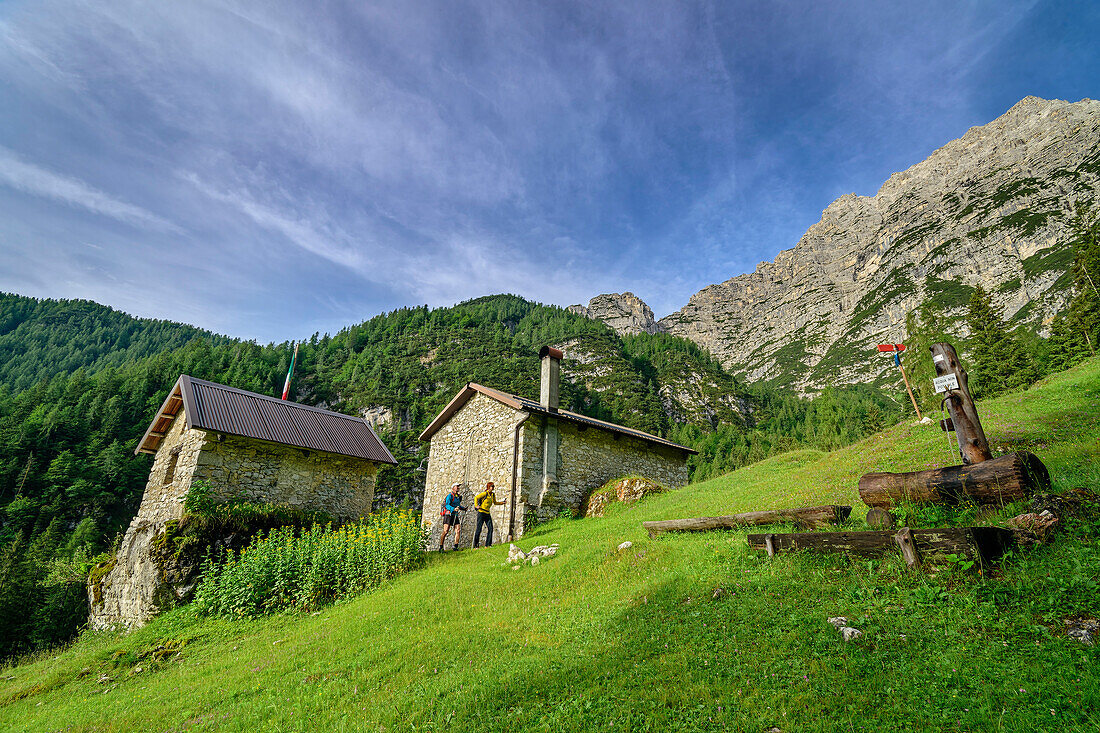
point(451, 519)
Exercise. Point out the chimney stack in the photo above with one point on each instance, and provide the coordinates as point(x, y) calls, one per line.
point(551, 374)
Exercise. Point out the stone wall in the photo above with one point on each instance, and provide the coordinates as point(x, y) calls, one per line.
point(475, 446)
point(135, 589)
point(129, 594)
point(587, 458)
point(242, 468)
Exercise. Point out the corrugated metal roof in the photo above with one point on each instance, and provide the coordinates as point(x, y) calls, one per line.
point(522, 403)
point(222, 409)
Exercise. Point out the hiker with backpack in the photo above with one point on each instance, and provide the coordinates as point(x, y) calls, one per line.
point(483, 502)
point(452, 505)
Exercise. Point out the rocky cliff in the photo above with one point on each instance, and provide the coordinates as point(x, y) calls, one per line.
point(989, 208)
point(624, 312)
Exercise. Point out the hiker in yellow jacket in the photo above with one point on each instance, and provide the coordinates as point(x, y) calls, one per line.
point(485, 501)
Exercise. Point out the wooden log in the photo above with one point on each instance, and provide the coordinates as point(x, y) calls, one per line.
point(973, 446)
point(806, 517)
point(976, 543)
point(1000, 480)
point(909, 551)
point(879, 518)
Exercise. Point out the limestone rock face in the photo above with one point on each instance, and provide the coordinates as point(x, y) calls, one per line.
point(991, 208)
point(624, 312)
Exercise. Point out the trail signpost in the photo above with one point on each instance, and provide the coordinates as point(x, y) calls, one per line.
point(896, 350)
point(952, 383)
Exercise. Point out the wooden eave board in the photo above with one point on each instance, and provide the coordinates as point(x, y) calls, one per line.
point(149, 443)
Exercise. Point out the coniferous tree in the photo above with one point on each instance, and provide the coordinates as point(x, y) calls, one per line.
point(1083, 314)
point(1000, 360)
point(923, 327)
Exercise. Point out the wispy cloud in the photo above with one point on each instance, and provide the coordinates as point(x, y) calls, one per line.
point(32, 179)
point(389, 153)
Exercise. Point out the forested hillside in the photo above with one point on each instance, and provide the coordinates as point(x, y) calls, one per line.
point(44, 338)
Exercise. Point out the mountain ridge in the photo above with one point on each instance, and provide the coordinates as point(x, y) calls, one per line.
point(989, 208)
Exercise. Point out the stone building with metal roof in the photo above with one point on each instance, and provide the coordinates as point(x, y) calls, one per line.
point(244, 446)
point(543, 460)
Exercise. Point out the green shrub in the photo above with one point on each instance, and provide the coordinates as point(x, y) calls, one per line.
point(303, 570)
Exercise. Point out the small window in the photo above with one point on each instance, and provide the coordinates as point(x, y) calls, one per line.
point(170, 472)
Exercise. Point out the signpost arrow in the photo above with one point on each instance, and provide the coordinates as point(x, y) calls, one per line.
point(896, 350)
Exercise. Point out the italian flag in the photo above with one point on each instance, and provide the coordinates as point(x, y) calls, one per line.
point(290, 372)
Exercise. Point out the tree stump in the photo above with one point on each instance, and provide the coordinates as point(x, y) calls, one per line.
point(879, 518)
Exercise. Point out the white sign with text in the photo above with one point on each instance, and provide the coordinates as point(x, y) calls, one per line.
point(945, 383)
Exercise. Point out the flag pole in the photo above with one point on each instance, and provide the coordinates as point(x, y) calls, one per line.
point(290, 372)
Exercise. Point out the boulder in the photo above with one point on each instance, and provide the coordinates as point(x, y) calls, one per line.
point(624, 491)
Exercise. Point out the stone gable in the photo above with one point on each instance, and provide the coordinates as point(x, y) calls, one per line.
point(474, 447)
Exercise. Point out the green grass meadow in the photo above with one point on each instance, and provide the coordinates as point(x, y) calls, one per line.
point(687, 632)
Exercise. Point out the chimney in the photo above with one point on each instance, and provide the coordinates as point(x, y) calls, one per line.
point(551, 372)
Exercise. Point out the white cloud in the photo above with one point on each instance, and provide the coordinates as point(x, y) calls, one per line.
point(38, 181)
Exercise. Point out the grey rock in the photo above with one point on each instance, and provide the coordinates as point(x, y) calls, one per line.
point(1084, 630)
point(850, 634)
point(624, 312)
point(515, 554)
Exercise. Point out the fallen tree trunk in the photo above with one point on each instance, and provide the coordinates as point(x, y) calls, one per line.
point(998, 480)
point(985, 543)
point(807, 517)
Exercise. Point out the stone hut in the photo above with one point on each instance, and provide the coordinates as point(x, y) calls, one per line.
point(245, 446)
point(543, 460)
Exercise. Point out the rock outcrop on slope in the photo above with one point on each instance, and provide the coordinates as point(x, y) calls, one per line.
point(991, 208)
point(688, 392)
point(624, 312)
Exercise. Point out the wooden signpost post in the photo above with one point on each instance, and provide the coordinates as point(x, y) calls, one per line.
point(896, 350)
point(951, 381)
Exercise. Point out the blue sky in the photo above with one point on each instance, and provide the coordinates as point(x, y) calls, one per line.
point(272, 169)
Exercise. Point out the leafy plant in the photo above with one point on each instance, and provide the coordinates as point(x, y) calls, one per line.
point(286, 569)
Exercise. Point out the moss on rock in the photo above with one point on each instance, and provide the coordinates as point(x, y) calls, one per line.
point(626, 490)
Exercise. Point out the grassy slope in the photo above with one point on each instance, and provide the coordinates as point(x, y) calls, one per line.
point(595, 639)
